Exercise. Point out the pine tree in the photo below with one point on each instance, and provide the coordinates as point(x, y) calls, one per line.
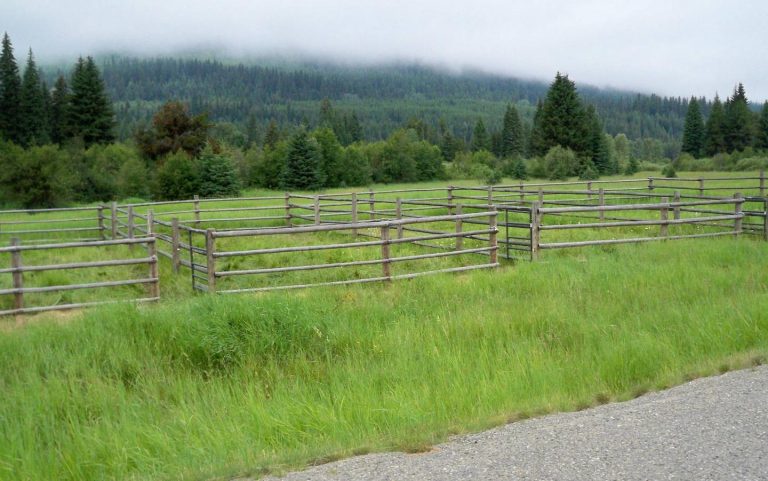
point(562, 120)
point(512, 141)
point(10, 95)
point(762, 137)
point(536, 140)
point(738, 119)
point(302, 168)
point(693, 133)
point(480, 139)
point(714, 139)
point(354, 129)
point(90, 113)
point(32, 119)
point(59, 112)
point(330, 156)
point(272, 137)
point(597, 151)
point(218, 175)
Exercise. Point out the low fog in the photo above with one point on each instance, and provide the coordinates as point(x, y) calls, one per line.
point(676, 48)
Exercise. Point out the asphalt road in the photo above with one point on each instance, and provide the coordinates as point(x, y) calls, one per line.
point(709, 429)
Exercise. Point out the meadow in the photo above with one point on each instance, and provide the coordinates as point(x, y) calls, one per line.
point(214, 387)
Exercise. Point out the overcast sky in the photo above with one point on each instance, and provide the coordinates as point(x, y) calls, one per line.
point(671, 47)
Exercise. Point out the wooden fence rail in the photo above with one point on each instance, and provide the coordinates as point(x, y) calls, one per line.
point(18, 269)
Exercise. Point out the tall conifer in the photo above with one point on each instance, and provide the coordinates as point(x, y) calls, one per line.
point(693, 133)
point(480, 138)
point(762, 135)
point(59, 112)
point(90, 113)
point(714, 139)
point(562, 120)
point(738, 121)
point(10, 94)
point(32, 118)
point(512, 142)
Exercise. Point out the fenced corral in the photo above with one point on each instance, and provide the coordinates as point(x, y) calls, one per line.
point(34, 289)
point(297, 240)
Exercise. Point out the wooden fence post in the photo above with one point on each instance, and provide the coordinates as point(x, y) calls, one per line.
point(765, 219)
point(354, 213)
point(522, 190)
point(372, 203)
point(196, 207)
point(114, 220)
point(459, 228)
point(210, 249)
point(150, 222)
point(601, 202)
point(18, 276)
point(762, 182)
point(450, 200)
point(100, 214)
point(130, 225)
point(175, 245)
point(288, 216)
point(535, 231)
point(490, 195)
point(399, 216)
point(737, 223)
point(701, 187)
point(493, 237)
point(589, 190)
point(154, 287)
point(664, 212)
point(541, 196)
point(385, 263)
point(650, 184)
point(676, 209)
point(316, 210)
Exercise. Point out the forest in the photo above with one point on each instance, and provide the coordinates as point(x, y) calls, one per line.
point(122, 127)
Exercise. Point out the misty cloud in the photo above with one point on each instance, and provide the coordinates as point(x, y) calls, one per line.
point(669, 47)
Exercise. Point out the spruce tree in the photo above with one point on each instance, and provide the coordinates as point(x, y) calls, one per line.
point(218, 175)
point(694, 132)
point(32, 119)
point(714, 138)
point(272, 137)
point(353, 127)
point(10, 95)
point(512, 142)
point(90, 113)
point(480, 138)
point(59, 111)
point(597, 149)
point(562, 120)
point(738, 121)
point(302, 169)
point(762, 136)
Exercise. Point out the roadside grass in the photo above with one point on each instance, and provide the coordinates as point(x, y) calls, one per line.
point(216, 387)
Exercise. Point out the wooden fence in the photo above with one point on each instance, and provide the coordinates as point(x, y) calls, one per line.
point(18, 268)
point(53, 225)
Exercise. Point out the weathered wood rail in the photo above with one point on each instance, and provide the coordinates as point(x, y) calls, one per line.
point(17, 270)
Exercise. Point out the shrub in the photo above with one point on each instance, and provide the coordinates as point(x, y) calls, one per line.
point(178, 177)
point(560, 163)
point(218, 175)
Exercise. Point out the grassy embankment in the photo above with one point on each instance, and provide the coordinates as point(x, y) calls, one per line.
point(234, 385)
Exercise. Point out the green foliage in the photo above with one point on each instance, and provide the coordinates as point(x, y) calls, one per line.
point(480, 138)
point(11, 127)
point(588, 171)
point(303, 169)
point(738, 121)
point(32, 107)
point(694, 133)
point(59, 113)
point(37, 177)
point(218, 176)
point(90, 111)
point(355, 167)
point(173, 130)
point(178, 177)
point(560, 163)
point(267, 165)
point(481, 165)
point(132, 179)
point(762, 131)
point(715, 141)
point(562, 120)
point(330, 156)
point(669, 171)
point(102, 170)
point(633, 166)
point(512, 139)
point(517, 169)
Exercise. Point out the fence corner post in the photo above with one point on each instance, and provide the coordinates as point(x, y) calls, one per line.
point(100, 215)
point(664, 214)
point(175, 245)
point(18, 275)
point(738, 207)
point(535, 230)
point(114, 220)
point(288, 216)
point(493, 241)
point(210, 250)
point(385, 262)
point(459, 228)
point(154, 273)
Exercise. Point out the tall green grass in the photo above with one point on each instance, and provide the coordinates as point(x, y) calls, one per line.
point(223, 386)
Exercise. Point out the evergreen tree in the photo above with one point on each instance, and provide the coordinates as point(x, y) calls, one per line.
point(327, 115)
point(536, 142)
point(353, 128)
point(714, 140)
point(302, 168)
point(90, 113)
point(272, 137)
point(10, 95)
point(738, 121)
point(450, 146)
point(694, 133)
point(218, 176)
point(597, 152)
point(562, 120)
point(518, 169)
point(173, 129)
point(512, 141)
point(762, 137)
point(480, 139)
point(330, 156)
point(32, 117)
point(59, 111)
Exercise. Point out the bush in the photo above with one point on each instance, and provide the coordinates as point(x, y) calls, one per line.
point(178, 177)
point(132, 179)
point(37, 177)
point(669, 171)
point(560, 163)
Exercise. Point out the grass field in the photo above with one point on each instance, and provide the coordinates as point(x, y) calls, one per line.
point(214, 387)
